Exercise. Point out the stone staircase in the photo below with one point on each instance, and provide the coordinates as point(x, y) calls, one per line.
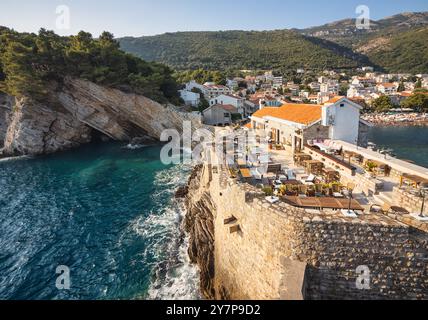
point(384, 197)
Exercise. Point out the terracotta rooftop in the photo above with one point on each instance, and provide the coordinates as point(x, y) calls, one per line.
point(299, 113)
point(227, 107)
point(335, 99)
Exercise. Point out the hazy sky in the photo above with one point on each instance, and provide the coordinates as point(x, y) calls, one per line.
point(148, 17)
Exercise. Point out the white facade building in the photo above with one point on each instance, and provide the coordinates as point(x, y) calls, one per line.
point(190, 98)
point(226, 99)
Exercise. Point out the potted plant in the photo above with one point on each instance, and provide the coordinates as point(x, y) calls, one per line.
point(268, 191)
point(371, 166)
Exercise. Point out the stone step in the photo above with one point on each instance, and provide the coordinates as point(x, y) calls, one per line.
point(384, 197)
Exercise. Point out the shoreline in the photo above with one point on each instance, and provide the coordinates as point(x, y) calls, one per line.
point(397, 120)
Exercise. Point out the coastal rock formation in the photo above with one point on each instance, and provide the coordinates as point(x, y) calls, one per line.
point(78, 109)
point(119, 115)
point(6, 103)
point(199, 224)
point(35, 128)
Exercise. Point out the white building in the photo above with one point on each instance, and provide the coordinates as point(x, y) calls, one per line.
point(367, 69)
point(364, 81)
point(193, 84)
point(231, 83)
point(387, 88)
point(330, 87)
point(297, 124)
point(219, 115)
point(228, 99)
point(315, 86)
point(190, 98)
point(277, 82)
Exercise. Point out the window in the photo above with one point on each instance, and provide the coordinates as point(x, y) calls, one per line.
point(342, 105)
point(227, 115)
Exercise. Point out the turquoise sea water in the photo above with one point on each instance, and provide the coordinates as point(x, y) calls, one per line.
point(410, 143)
point(106, 212)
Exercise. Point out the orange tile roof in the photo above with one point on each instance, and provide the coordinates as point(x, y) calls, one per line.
point(387, 85)
point(298, 113)
point(335, 99)
point(248, 125)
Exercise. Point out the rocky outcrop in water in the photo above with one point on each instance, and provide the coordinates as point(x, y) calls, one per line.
point(78, 109)
point(34, 128)
point(199, 224)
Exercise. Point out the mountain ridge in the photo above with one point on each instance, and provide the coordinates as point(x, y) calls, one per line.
point(338, 44)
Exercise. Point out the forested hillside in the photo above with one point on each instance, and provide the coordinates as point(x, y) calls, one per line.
point(386, 45)
point(280, 50)
point(31, 63)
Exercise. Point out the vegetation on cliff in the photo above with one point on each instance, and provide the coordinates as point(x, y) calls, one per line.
point(29, 63)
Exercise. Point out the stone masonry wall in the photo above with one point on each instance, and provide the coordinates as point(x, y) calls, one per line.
point(250, 252)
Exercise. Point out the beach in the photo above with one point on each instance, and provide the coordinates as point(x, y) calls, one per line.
point(397, 119)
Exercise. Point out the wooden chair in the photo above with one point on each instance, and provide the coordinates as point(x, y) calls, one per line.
point(311, 192)
point(318, 190)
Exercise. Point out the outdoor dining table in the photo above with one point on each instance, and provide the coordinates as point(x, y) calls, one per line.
point(413, 179)
point(323, 203)
point(245, 173)
point(241, 163)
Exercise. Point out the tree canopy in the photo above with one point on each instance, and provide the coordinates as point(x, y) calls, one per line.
point(30, 62)
point(382, 104)
point(418, 102)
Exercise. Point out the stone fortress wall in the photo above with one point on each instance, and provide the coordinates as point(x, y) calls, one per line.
point(282, 252)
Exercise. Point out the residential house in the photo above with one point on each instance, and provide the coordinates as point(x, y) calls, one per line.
point(323, 97)
point(364, 81)
point(387, 88)
point(313, 98)
point(190, 98)
point(294, 88)
point(213, 90)
point(220, 115)
point(322, 79)
point(277, 82)
point(315, 86)
point(231, 83)
point(367, 69)
point(228, 99)
point(193, 84)
point(330, 87)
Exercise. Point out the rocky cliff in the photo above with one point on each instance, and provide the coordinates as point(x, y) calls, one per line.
point(35, 128)
point(6, 103)
point(77, 110)
point(119, 115)
point(199, 224)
